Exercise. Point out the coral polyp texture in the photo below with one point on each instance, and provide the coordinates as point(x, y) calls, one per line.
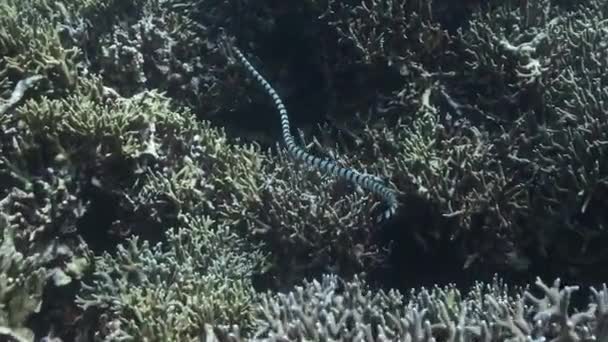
point(170, 292)
point(335, 310)
point(148, 190)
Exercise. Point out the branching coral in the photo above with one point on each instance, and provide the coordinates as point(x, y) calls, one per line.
point(201, 276)
point(501, 127)
point(385, 31)
point(533, 77)
point(30, 43)
point(509, 141)
point(334, 310)
point(22, 279)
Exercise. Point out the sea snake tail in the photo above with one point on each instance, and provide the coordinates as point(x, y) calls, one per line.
point(366, 181)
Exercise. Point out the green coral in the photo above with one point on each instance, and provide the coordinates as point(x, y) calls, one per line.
point(49, 38)
point(201, 275)
point(77, 120)
point(535, 76)
point(310, 223)
point(499, 126)
point(30, 43)
point(22, 279)
point(172, 159)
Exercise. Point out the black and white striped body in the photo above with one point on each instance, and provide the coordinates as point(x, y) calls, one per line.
point(366, 181)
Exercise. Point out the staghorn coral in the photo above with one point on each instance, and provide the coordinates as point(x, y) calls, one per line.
point(169, 292)
point(172, 165)
point(389, 49)
point(396, 33)
point(123, 126)
point(22, 279)
point(156, 161)
point(87, 144)
point(507, 139)
point(336, 310)
point(159, 45)
point(31, 45)
point(196, 169)
point(505, 135)
point(310, 230)
point(533, 77)
point(453, 168)
point(40, 204)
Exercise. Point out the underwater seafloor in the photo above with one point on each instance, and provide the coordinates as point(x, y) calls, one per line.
point(146, 193)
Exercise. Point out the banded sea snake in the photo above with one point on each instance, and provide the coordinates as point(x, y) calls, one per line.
point(366, 181)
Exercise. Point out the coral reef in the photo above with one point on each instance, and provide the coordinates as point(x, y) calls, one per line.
point(502, 131)
point(336, 310)
point(22, 279)
point(168, 292)
point(127, 213)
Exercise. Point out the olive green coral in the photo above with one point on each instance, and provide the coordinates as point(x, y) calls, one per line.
point(22, 279)
point(168, 292)
point(30, 42)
